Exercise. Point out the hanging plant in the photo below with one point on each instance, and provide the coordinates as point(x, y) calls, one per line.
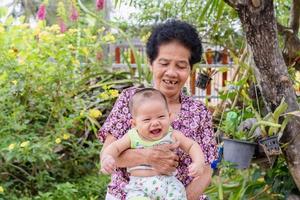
point(204, 77)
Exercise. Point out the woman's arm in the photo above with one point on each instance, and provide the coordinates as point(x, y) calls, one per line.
point(198, 185)
point(161, 158)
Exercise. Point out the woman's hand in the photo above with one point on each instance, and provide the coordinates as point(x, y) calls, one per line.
point(195, 169)
point(199, 184)
point(163, 158)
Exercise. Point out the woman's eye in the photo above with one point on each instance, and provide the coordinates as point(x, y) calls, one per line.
point(162, 116)
point(164, 64)
point(146, 120)
point(182, 66)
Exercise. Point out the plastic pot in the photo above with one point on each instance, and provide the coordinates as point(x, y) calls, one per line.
point(239, 152)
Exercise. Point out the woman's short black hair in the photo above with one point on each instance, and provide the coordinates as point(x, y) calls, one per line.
point(175, 30)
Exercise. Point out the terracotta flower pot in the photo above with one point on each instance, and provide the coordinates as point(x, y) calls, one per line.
point(224, 56)
point(209, 56)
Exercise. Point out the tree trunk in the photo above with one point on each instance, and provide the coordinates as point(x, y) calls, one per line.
point(259, 24)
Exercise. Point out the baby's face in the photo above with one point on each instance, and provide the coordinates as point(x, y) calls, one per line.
point(152, 120)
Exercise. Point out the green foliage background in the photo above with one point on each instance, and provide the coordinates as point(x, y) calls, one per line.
point(57, 88)
point(55, 91)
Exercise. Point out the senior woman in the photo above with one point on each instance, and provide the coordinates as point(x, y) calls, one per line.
point(172, 49)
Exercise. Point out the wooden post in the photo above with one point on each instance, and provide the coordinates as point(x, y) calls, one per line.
point(208, 88)
point(132, 61)
point(225, 61)
point(192, 82)
point(117, 55)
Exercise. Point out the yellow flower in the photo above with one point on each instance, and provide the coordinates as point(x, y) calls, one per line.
point(95, 113)
point(37, 31)
point(75, 62)
point(114, 93)
point(71, 47)
point(100, 30)
point(14, 82)
point(145, 37)
point(85, 51)
point(104, 95)
point(72, 30)
point(55, 28)
point(261, 180)
point(109, 38)
point(12, 146)
point(24, 144)
point(105, 87)
point(66, 136)
point(11, 51)
point(81, 113)
point(1, 189)
point(45, 36)
point(58, 141)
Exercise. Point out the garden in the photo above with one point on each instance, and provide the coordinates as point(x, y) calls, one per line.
point(58, 83)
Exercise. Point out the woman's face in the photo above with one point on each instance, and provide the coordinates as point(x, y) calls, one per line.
point(171, 68)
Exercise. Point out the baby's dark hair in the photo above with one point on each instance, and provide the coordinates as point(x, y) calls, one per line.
point(175, 30)
point(145, 94)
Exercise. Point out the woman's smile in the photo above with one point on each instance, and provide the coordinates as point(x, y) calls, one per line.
point(171, 68)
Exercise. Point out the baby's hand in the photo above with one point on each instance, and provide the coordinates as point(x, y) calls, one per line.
point(195, 169)
point(108, 164)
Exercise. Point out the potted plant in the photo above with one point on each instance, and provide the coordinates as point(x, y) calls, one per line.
point(268, 130)
point(236, 146)
point(205, 76)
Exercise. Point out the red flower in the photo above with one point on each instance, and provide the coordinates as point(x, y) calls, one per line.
point(99, 4)
point(41, 14)
point(74, 14)
point(62, 25)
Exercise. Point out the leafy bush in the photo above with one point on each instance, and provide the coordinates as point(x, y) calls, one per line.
point(55, 91)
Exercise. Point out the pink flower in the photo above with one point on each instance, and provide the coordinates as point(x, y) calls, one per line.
point(99, 4)
point(74, 14)
point(41, 14)
point(62, 25)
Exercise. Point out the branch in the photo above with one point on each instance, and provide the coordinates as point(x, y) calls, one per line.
point(283, 30)
point(295, 16)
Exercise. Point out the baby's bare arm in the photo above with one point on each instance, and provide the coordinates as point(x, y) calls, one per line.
point(194, 150)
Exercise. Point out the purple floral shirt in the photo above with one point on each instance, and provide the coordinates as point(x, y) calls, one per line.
point(194, 121)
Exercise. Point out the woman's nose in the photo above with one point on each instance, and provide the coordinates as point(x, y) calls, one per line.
point(171, 70)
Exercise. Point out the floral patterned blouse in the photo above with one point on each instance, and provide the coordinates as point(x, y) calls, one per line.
point(193, 120)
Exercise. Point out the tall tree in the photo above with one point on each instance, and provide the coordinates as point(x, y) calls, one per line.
point(259, 24)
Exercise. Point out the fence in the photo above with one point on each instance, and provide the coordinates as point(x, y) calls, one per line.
point(123, 55)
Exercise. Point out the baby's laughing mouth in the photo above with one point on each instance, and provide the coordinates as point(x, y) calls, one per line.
point(156, 132)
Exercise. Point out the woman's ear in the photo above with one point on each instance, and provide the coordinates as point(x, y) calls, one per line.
point(150, 65)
